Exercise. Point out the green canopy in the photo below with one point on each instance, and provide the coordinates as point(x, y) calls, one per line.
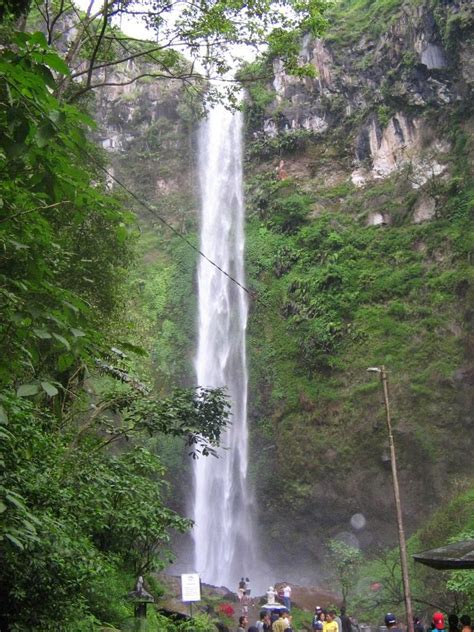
point(457, 555)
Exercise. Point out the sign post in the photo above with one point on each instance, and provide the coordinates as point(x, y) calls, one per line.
point(190, 589)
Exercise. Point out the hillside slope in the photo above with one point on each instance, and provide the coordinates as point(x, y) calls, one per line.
point(359, 251)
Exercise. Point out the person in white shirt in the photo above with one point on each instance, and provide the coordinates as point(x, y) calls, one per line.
point(287, 596)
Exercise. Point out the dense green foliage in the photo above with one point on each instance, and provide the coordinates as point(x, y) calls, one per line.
point(81, 488)
point(336, 296)
point(56, 286)
point(13, 8)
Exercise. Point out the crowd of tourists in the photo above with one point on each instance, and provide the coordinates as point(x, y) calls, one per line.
point(280, 619)
point(438, 623)
point(276, 617)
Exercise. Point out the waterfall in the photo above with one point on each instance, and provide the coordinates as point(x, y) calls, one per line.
point(224, 542)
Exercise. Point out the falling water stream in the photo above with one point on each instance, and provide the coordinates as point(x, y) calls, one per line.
point(224, 541)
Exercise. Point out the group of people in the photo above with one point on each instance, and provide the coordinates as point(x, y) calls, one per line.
point(438, 623)
point(269, 621)
point(279, 619)
point(275, 615)
point(243, 591)
point(282, 595)
point(330, 621)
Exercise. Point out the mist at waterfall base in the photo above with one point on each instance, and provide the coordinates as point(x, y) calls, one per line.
point(224, 535)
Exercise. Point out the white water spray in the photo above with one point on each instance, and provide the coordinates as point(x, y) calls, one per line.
point(224, 541)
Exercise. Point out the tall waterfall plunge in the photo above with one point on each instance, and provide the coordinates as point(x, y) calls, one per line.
point(224, 541)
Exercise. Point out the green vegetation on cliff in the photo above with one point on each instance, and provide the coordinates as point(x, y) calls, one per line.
point(359, 250)
point(335, 296)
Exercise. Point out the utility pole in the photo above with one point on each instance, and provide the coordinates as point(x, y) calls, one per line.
point(396, 490)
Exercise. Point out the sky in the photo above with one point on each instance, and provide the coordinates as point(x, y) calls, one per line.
point(130, 26)
point(135, 27)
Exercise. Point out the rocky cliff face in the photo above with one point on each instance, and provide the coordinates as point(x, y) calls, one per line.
point(380, 84)
point(350, 174)
point(148, 129)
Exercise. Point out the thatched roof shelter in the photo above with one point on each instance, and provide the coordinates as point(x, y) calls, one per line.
point(452, 556)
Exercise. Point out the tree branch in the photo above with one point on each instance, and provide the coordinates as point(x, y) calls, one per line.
point(61, 11)
point(155, 49)
point(37, 208)
point(98, 410)
point(104, 84)
point(97, 46)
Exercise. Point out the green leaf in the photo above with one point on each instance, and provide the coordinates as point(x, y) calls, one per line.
point(3, 507)
point(64, 361)
point(19, 246)
point(29, 525)
point(121, 233)
point(38, 38)
point(44, 133)
point(77, 332)
point(20, 38)
point(49, 389)
point(56, 63)
point(57, 117)
point(133, 348)
point(21, 132)
point(83, 118)
point(3, 416)
point(14, 150)
point(48, 77)
point(42, 333)
point(25, 390)
point(71, 306)
point(14, 540)
point(17, 502)
point(63, 341)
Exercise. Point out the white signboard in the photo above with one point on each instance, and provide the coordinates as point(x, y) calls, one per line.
point(190, 587)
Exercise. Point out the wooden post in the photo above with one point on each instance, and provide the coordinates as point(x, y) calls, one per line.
point(398, 505)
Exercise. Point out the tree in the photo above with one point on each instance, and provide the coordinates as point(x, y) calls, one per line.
point(346, 561)
point(78, 518)
point(75, 514)
point(208, 31)
point(56, 285)
point(13, 8)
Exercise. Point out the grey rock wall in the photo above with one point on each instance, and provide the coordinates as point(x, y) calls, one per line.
point(380, 87)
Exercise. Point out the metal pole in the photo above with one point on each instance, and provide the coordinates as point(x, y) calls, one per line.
point(398, 505)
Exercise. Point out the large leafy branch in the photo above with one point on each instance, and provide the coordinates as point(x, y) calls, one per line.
point(209, 30)
point(197, 415)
